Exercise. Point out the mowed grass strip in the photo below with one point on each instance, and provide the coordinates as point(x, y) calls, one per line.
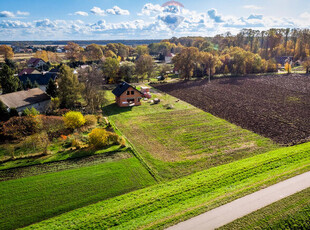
point(184, 140)
point(292, 212)
point(32, 199)
point(162, 205)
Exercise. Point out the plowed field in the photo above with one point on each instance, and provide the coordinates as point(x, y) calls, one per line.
point(277, 107)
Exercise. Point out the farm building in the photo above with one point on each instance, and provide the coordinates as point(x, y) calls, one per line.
point(21, 100)
point(127, 95)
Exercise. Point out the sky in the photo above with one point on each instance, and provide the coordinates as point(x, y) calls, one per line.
point(138, 19)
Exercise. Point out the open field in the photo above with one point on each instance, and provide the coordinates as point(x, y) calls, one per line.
point(290, 213)
point(162, 205)
point(277, 107)
point(31, 199)
point(26, 56)
point(183, 140)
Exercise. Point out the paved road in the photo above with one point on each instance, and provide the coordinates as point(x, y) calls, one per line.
point(229, 212)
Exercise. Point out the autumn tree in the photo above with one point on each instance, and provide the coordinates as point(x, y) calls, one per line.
point(145, 66)
point(73, 51)
point(110, 70)
point(288, 67)
point(8, 81)
point(42, 54)
point(93, 52)
point(186, 61)
point(69, 90)
point(210, 62)
point(306, 64)
point(93, 95)
point(6, 51)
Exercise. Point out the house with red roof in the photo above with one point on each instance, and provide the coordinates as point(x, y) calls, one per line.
point(35, 63)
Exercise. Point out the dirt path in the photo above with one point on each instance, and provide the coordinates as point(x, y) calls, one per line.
point(227, 213)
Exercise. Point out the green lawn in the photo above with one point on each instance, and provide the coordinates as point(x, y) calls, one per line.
point(159, 206)
point(32, 199)
point(183, 140)
point(290, 213)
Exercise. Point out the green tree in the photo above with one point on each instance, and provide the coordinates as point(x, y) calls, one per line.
point(110, 69)
point(8, 81)
point(127, 71)
point(28, 84)
point(4, 114)
point(70, 88)
point(51, 88)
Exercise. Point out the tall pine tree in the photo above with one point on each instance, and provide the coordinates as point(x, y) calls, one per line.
point(8, 81)
point(51, 88)
point(70, 88)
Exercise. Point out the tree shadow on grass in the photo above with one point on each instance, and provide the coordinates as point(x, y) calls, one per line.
point(114, 109)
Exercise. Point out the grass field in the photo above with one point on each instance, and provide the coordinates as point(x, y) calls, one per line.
point(183, 140)
point(32, 199)
point(290, 213)
point(162, 205)
point(58, 153)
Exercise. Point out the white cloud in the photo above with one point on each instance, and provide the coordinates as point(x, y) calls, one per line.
point(117, 11)
point(98, 11)
point(9, 24)
point(81, 13)
point(46, 23)
point(149, 9)
point(22, 13)
point(6, 14)
point(252, 7)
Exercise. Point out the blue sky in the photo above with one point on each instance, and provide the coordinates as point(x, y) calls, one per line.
point(139, 19)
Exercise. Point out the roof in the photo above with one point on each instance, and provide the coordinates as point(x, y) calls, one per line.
point(24, 98)
point(27, 71)
point(121, 88)
point(41, 79)
point(34, 61)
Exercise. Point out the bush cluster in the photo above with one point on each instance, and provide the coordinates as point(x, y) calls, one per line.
point(74, 120)
point(100, 138)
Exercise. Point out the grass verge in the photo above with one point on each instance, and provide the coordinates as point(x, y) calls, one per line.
point(165, 204)
point(292, 212)
point(32, 199)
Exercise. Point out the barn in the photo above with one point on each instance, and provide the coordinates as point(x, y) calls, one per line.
point(127, 95)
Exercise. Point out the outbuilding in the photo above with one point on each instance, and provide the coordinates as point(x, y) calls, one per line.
point(21, 100)
point(127, 95)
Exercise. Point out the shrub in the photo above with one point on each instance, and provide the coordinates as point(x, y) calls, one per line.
point(30, 112)
point(91, 120)
point(53, 125)
point(100, 138)
point(74, 120)
point(35, 142)
point(19, 127)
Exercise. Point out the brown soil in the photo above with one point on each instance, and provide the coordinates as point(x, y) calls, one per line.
point(277, 107)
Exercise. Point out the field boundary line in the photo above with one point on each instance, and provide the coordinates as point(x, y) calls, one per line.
point(135, 152)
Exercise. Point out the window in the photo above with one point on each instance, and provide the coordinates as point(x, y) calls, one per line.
point(128, 92)
point(132, 92)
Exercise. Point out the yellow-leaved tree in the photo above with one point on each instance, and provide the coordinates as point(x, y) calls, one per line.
point(288, 67)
